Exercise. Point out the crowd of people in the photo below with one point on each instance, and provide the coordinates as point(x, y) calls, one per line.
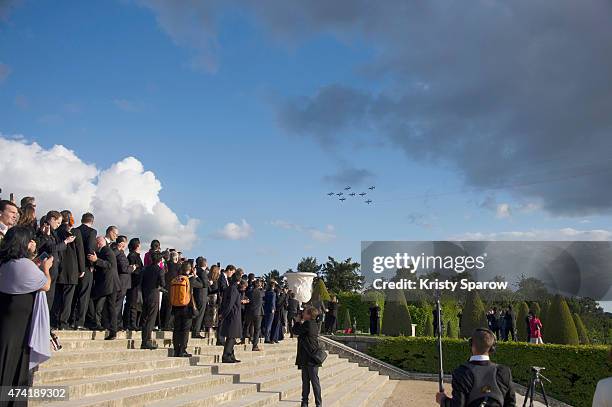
point(503, 325)
point(55, 275)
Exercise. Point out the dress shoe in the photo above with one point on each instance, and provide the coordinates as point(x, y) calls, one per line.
point(99, 328)
point(241, 343)
point(198, 336)
point(186, 355)
point(151, 346)
point(256, 349)
point(111, 336)
point(236, 360)
point(223, 360)
point(268, 342)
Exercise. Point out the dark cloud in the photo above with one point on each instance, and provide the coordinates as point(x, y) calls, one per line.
point(349, 176)
point(515, 96)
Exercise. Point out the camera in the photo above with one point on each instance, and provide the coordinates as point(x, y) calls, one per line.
point(537, 368)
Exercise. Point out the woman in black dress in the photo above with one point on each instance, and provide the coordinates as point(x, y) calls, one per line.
point(24, 315)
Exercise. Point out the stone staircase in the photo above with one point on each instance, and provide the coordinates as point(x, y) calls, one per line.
point(118, 373)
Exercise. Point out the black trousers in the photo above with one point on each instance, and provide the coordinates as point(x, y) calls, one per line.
point(228, 349)
point(62, 304)
point(81, 299)
point(119, 306)
point(374, 326)
point(166, 317)
point(252, 324)
point(130, 311)
point(51, 293)
point(149, 316)
point(290, 322)
point(310, 375)
point(105, 306)
point(180, 332)
point(197, 323)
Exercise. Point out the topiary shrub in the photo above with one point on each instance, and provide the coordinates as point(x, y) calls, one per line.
point(319, 291)
point(396, 319)
point(346, 321)
point(560, 327)
point(473, 315)
point(521, 325)
point(451, 331)
point(583, 335)
point(535, 308)
point(574, 370)
point(429, 328)
point(359, 306)
point(419, 317)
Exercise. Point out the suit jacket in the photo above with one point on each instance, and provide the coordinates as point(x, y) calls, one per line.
point(123, 270)
point(293, 306)
point(308, 342)
point(223, 284)
point(73, 258)
point(151, 279)
point(269, 301)
point(281, 302)
point(256, 297)
point(106, 279)
point(462, 382)
point(134, 258)
point(89, 241)
point(54, 246)
point(200, 288)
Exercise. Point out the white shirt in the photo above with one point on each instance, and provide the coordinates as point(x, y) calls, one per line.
point(603, 393)
point(480, 358)
point(3, 229)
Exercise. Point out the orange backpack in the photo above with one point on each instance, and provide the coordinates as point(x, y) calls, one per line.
point(180, 293)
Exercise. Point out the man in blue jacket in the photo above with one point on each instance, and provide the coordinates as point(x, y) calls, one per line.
point(269, 309)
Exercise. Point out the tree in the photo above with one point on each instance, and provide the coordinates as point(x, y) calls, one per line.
point(473, 316)
point(309, 265)
point(521, 325)
point(342, 276)
point(544, 313)
point(346, 323)
point(530, 288)
point(583, 335)
point(451, 331)
point(396, 318)
point(535, 308)
point(272, 275)
point(319, 291)
point(563, 329)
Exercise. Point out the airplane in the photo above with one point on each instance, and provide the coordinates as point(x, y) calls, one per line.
point(363, 194)
point(339, 193)
point(352, 194)
point(330, 194)
point(343, 199)
point(369, 201)
point(347, 188)
point(372, 187)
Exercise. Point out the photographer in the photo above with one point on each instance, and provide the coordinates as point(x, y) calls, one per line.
point(307, 329)
point(479, 380)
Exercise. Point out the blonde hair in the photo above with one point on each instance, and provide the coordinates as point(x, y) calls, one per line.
point(215, 273)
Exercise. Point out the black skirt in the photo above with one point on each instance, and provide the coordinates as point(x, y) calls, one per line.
point(15, 316)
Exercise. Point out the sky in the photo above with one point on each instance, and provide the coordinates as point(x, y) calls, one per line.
point(220, 127)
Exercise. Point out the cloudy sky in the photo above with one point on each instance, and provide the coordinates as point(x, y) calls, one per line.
point(219, 127)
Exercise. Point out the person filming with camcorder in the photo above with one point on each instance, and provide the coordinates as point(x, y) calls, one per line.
point(480, 382)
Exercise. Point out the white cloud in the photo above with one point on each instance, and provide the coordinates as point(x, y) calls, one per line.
point(234, 231)
point(5, 71)
point(539, 234)
point(320, 235)
point(124, 195)
point(503, 211)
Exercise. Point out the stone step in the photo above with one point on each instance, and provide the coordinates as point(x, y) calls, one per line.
point(220, 385)
point(380, 398)
point(85, 344)
point(99, 335)
point(357, 394)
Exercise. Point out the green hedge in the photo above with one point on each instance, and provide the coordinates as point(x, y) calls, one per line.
point(574, 370)
point(359, 307)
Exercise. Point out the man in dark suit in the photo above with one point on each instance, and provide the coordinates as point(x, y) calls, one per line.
point(269, 310)
point(151, 280)
point(124, 271)
point(254, 314)
point(231, 321)
point(293, 309)
point(200, 296)
point(224, 283)
point(83, 290)
point(480, 380)
point(70, 268)
point(133, 303)
point(105, 287)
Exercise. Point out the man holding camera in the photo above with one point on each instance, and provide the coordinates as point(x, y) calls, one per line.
point(480, 382)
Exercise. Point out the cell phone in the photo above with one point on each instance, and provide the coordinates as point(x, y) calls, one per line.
point(219, 264)
point(41, 257)
point(12, 197)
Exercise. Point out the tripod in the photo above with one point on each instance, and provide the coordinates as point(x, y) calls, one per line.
point(536, 378)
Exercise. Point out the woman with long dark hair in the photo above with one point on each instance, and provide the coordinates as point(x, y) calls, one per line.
point(24, 314)
point(28, 218)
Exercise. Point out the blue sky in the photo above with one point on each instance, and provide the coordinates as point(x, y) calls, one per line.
point(205, 108)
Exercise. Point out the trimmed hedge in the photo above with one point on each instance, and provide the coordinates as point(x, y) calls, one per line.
point(473, 316)
point(396, 318)
point(574, 370)
point(359, 307)
point(560, 327)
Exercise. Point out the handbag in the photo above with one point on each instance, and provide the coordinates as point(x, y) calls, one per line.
point(319, 356)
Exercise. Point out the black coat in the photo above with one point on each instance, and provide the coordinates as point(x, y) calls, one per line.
point(73, 258)
point(171, 273)
point(123, 269)
point(151, 279)
point(293, 306)
point(229, 313)
point(134, 258)
point(106, 279)
point(200, 288)
point(308, 342)
point(281, 302)
point(255, 308)
point(463, 381)
point(89, 241)
point(54, 246)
